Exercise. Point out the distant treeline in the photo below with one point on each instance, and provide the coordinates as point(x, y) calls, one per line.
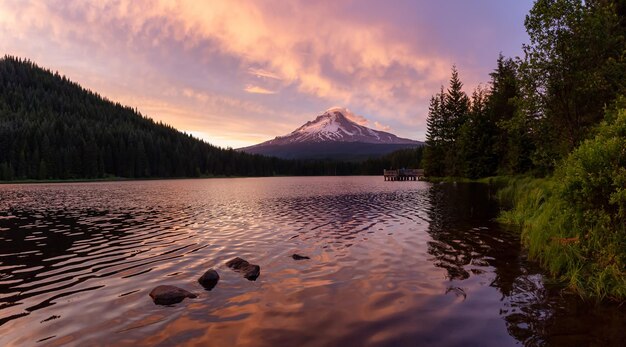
point(52, 128)
point(538, 108)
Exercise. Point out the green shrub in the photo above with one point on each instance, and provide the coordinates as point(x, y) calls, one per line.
point(575, 222)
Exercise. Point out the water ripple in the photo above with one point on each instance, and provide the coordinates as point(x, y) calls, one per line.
point(392, 263)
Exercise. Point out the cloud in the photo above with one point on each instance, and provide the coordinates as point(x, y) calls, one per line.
point(382, 127)
point(202, 61)
point(324, 54)
point(258, 90)
point(358, 119)
point(263, 73)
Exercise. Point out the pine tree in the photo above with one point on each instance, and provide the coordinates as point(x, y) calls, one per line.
point(477, 139)
point(513, 144)
point(433, 154)
point(455, 109)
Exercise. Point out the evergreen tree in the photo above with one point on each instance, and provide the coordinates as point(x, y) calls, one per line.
point(477, 139)
point(447, 113)
point(513, 142)
point(455, 112)
point(434, 152)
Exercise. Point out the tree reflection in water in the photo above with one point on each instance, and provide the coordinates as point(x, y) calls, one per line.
point(467, 240)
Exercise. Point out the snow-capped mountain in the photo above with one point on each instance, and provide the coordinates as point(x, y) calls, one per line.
point(334, 125)
point(332, 135)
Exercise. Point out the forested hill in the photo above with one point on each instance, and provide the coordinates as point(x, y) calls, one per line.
point(52, 128)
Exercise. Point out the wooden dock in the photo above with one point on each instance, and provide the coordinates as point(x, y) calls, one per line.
point(404, 175)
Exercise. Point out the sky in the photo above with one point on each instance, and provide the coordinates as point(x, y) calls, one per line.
point(236, 73)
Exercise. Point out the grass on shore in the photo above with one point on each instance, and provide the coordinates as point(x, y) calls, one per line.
point(575, 222)
point(447, 179)
point(585, 252)
point(496, 181)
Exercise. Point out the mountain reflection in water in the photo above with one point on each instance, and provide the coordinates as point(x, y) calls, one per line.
point(392, 263)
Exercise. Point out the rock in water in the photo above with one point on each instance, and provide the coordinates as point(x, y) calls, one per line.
point(237, 263)
point(299, 257)
point(169, 295)
point(250, 271)
point(209, 279)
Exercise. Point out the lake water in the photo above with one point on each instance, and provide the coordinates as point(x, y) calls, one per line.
point(392, 264)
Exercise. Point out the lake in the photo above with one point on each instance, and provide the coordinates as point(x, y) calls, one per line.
point(392, 264)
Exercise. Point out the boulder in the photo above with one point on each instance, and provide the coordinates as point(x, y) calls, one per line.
point(209, 279)
point(237, 263)
point(299, 257)
point(169, 295)
point(250, 271)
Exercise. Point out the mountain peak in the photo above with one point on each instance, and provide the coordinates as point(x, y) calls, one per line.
point(332, 124)
point(333, 130)
point(338, 109)
point(336, 125)
point(339, 114)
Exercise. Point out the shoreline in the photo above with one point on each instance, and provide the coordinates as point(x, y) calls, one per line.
point(123, 179)
point(111, 179)
point(564, 249)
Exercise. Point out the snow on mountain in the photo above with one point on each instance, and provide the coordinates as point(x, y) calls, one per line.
point(335, 125)
point(332, 135)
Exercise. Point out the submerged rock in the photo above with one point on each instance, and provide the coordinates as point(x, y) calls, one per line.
point(237, 263)
point(299, 257)
point(169, 295)
point(209, 279)
point(250, 271)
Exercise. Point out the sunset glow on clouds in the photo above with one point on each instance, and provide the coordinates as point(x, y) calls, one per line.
point(240, 72)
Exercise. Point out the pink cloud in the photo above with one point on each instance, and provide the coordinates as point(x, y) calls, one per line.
point(258, 90)
point(358, 119)
point(382, 127)
point(196, 63)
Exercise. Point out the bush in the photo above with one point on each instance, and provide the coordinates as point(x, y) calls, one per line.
point(575, 222)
